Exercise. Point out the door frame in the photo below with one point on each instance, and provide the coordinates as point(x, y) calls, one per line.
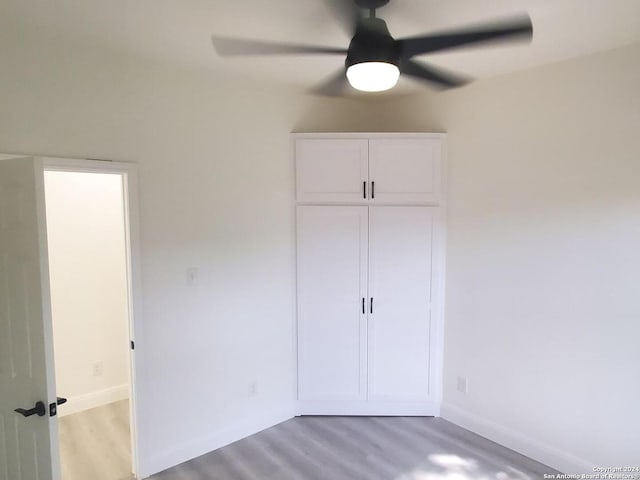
point(129, 172)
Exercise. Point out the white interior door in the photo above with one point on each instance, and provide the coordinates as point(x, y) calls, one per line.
point(405, 170)
point(332, 270)
point(28, 445)
point(331, 170)
point(400, 261)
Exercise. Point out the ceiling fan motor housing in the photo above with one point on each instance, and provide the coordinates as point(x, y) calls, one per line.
point(371, 4)
point(373, 43)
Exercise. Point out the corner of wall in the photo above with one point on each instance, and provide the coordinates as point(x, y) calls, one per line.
point(249, 426)
point(530, 447)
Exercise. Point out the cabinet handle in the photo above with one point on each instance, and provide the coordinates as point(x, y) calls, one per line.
point(371, 306)
point(364, 190)
point(373, 189)
point(363, 305)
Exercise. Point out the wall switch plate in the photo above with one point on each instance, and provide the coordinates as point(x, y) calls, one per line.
point(253, 389)
point(192, 276)
point(463, 386)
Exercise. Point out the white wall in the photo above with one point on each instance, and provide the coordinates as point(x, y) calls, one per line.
point(216, 193)
point(543, 266)
point(87, 268)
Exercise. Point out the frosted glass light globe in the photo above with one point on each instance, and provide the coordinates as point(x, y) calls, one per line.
point(373, 76)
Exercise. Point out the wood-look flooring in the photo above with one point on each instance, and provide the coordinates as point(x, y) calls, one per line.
point(361, 448)
point(96, 444)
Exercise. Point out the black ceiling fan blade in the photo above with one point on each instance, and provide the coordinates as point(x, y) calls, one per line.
point(436, 76)
point(230, 47)
point(514, 28)
point(347, 13)
point(336, 85)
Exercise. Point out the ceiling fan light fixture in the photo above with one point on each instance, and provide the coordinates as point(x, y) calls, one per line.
point(373, 76)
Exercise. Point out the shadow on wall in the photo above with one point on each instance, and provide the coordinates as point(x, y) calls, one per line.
point(361, 113)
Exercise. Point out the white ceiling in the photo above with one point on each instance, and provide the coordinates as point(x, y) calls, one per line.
point(179, 31)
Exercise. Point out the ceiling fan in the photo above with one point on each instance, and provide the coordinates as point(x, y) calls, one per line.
point(374, 59)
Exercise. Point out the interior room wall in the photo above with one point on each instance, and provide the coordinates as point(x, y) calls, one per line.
point(543, 264)
point(87, 269)
point(216, 187)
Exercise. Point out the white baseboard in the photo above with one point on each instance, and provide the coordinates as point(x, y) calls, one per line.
point(93, 399)
point(219, 439)
point(560, 460)
point(368, 408)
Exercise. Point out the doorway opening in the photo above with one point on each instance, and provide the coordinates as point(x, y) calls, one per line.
point(90, 278)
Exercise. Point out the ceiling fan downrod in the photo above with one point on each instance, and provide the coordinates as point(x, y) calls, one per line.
point(371, 5)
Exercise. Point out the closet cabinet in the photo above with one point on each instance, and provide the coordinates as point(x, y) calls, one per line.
point(369, 288)
point(360, 170)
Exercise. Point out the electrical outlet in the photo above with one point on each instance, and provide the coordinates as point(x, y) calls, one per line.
point(253, 389)
point(463, 386)
point(98, 368)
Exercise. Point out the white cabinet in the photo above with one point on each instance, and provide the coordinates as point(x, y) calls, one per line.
point(331, 170)
point(369, 274)
point(405, 170)
point(400, 253)
point(377, 170)
point(364, 305)
point(332, 264)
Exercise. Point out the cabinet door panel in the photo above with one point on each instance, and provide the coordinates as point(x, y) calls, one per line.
point(405, 170)
point(400, 244)
point(331, 170)
point(332, 268)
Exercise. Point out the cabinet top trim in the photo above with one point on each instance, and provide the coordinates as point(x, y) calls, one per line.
point(297, 135)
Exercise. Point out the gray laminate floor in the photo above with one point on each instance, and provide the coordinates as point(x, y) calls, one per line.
point(360, 448)
point(95, 444)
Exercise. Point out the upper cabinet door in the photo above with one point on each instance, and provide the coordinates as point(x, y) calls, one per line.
point(332, 170)
point(405, 170)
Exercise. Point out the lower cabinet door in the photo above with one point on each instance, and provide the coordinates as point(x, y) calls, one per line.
point(399, 326)
point(364, 310)
point(332, 274)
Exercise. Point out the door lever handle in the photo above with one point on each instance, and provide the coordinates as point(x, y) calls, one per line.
point(60, 400)
point(39, 409)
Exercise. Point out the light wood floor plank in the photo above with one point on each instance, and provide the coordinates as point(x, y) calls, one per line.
point(361, 448)
point(95, 444)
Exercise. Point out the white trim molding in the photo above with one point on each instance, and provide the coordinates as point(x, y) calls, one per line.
point(84, 402)
point(369, 408)
point(530, 447)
